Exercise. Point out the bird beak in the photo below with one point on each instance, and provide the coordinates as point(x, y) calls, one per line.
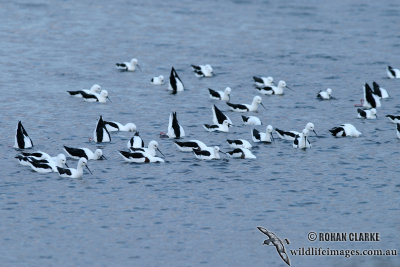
point(272, 136)
point(160, 152)
point(103, 157)
point(315, 133)
point(229, 124)
point(66, 165)
point(263, 106)
point(289, 88)
point(109, 99)
point(89, 170)
point(139, 67)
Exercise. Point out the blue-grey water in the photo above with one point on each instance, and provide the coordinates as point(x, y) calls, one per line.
point(187, 212)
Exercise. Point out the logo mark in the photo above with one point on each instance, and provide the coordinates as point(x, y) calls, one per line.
point(275, 241)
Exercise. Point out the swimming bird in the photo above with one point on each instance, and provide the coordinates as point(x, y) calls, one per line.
point(100, 133)
point(36, 155)
point(94, 89)
point(136, 141)
point(346, 129)
point(151, 150)
point(128, 66)
point(59, 160)
point(207, 153)
point(246, 107)
point(43, 165)
point(188, 146)
point(157, 80)
point(266, 137)
point(74, 173)
point(398, 130)
point(175, 83)
point(291, 135)
point(274, 240)
point(83, 152)
point(239, 143)
point(261, 82)
point(370, 99)
point(251, 120)
point(273, 90)
point(101, 98)
point(139, 157)
point(219, 117)
point(220, 95)
point(224, 127)
point(113, 126)
point(392, 73)
point(241, 153)
point(22, 139)
point(175, 130)
point(202, 70)
point(367, 113)
point(379, 91)
point(394, 118)
point(325, 95)
point(301, 141)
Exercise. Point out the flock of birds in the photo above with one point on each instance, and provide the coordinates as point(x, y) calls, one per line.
point(43, 163)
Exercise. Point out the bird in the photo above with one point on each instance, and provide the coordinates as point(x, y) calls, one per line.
point(128, 66)
point(394, 118)
point(224, 127)
point(139, 157)
point(370, 99)
point(157, 80)
point(202, 70)
point(207, 153)
point(367, 113)
point(261, 82)
point(392, 73)
point(241, 153)
point(220, 95)
point(273, 90)
point(94, 89)
point(175, 83)
point(39, 155)
point(346, 129)
point(101, 98)
point(291, 135)
point(43, 165)
point(239, 143)
point(274, 240)
point(74, 173)
point(266, 137)
point(113, 126)
point(379, 91)
point(83, 152)
point(398, 130)
point(246, 107)
point(175, 130)
point(219, 117)
point(100, 133)
point(136, 141)
point(301, 141)
point(188, 146)
point(251, 120)
point(325, 95)
point(150, 150)
point(22, 139)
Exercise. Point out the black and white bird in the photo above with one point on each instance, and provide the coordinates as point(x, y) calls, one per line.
point(202, 70)
point(291, 135)
point(219, 117)
point(22, 139)
point(367, 113)
point(74, 173)
point(224, 127)
point(394, 118)
point(207, 153)
point(239, 143)
point(251, 120)
point(266, 137)
point(139, 157)
point(100, 133)
point(113, 126)
point(37, 155)
point(102, 97)
point(150, 150)
point(371, 100)
point(220, 95)
point(175, 83)
point(392, 73)
point(94, 89)
point(261, 82)
point(275, 241)
point(175, 130)
point(136, 141)
point(398, 130)
point(128, 66)
point(301, 141)
point(273, 90)
point(241, 153)
point(246, 107)
point(83, 152)
point(379, 91)
point(157, 80)
point(188, 146)
point(58, 160)
point(43, 165)
point(325, 95)
point(346, 129)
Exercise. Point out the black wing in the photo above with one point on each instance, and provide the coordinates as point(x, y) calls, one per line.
point(368, 95)
point(196, 67)
point(336, 130)
point(362, 112)
point(175, 125)
point(63, 171)
point(398, 127)
point(75, 92)
point(112, 124)
point(281, 132)
point(377, 89)
point(214, 93)
point(76, 152)
point(220, 116)
point(237, 106)
point(202, 152)
point(244, 118)
point(256, 134)
point(193, 145)
point(208, 126)
point(172, 80)
point(236, 142)
point(391, 71)
point(88, 96)
point(35, 154)
point(257, 79)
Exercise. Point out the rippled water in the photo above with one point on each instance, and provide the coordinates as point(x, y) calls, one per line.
point(187, 212)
